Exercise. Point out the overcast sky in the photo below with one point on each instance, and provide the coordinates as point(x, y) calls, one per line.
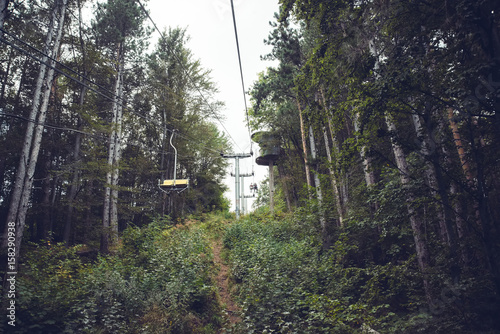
point(209, 24)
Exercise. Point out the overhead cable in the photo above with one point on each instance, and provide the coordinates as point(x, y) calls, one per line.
point(92, 135)
point(106, 96)
point(241, 71)
point(189, 76)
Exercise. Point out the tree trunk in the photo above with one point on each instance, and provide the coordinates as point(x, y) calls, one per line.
point(117, 157)
point(89, 186)
point(319, 193)
point(6, 74)
point(333, 179)
point(34, 131)
point(110, 211)
point(304, 148)
point(3, 159)
point(15, 201)
point(488, 226)
point(162, 162)
point(417, 224)
point(43, 226)
point(428, 151)
point(271, 186)
point(73, 189)
point(458, 144)
point(16, 218)
point(366, 160)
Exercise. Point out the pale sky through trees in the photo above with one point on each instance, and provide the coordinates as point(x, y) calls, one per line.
point(212, 41)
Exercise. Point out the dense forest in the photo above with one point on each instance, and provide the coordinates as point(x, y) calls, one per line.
point(383, 215)
point(88, 111)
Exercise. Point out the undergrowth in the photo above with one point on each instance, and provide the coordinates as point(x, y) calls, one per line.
point(159, 281)
point(287, 283)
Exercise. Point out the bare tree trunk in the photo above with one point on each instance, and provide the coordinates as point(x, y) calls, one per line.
point(116, 159)
point(336, 148)
point(29, 154)
point(3, 158)
point(44, 224)
point(19, 186)
point(16, 218)
point(458, 143)
point(271, 186)
point(304, 148)
point(73, 189)
point(333, 179)
point(6, 74)
point(110, 214)
point(37, 141)
point(162, 162)
point(88, 212)
point(488, 224)
point(428, 150)
point(319, 193)
point(417, 225)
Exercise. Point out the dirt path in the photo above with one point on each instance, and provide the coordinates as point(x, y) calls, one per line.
point(222, 280)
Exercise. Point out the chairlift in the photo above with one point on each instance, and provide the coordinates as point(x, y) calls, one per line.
point(174, 185)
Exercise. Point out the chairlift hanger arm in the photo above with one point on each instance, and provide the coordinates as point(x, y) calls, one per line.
point(175, 184)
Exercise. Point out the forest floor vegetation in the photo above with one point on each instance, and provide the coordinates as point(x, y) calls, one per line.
point(214, 274)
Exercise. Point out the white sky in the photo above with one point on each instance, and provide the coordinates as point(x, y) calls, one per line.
point(210, 27)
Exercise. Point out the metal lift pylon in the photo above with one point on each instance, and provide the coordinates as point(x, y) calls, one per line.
point(237, 157)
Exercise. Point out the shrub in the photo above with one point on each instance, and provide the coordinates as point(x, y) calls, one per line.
point(159, 281)
point(289, 284)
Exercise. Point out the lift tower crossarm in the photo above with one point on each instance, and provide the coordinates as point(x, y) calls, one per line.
point(236, 155)
point(243, 175)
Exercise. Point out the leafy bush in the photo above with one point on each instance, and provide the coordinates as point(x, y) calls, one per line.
point(49, 284)
point(158, 282)
point(290, 285)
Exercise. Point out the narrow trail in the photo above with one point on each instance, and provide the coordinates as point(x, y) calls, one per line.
point(222, 279)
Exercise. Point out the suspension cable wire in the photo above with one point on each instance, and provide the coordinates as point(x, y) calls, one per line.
point(241, 73)
point(243, 85)
point(59, 63)
point(46, 63)
point(94, 135)
point(189, 76)
point(106, 96)
point(111, 94)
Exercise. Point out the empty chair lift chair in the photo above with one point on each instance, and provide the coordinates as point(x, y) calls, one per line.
point(174, 185)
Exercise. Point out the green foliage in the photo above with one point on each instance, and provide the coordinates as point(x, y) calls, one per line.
point(288, 284)
point(158, 282)
point(215, 224)
point(51, 282)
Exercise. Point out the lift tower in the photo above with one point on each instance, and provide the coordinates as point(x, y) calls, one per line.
point(237, 157)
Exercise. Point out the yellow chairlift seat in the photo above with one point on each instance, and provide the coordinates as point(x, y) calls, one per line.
point(175, 184)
